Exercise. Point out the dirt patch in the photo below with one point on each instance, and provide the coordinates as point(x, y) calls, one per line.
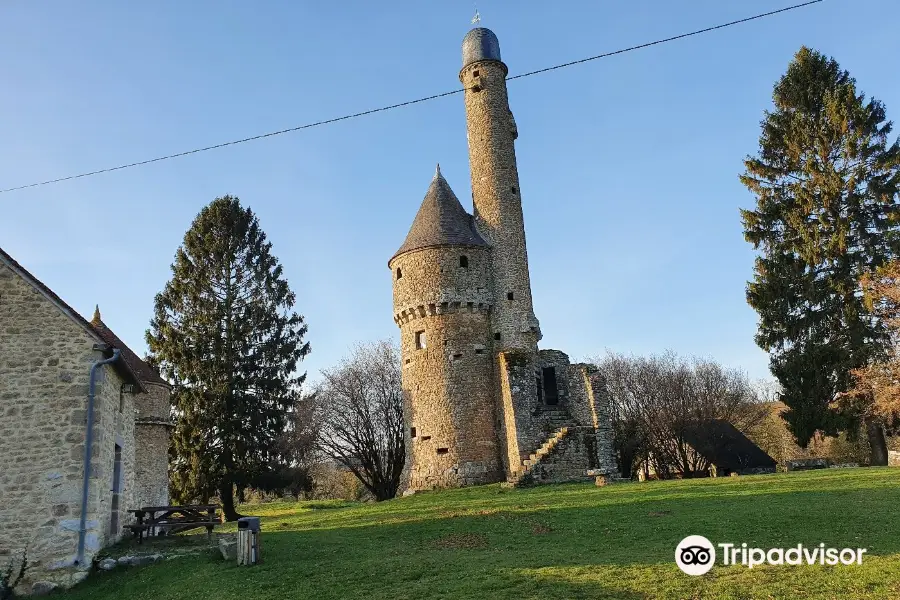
point(462, 541)
point(540, 529)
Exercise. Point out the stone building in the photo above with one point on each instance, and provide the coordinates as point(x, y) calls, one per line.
point(47, 354)
point(482, 402)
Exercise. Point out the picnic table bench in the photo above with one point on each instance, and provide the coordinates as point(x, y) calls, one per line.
point(174, 519)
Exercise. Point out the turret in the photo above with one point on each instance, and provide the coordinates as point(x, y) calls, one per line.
point(495, 189)
point(443, 300)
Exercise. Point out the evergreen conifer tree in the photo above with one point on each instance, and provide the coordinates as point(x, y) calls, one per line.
point(225, 334)
point(826, 181)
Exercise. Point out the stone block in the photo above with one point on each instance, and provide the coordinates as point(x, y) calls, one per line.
point(107, 564)
point(43, 588)
point(805, 464)
point(228, 548)
point(893, 458)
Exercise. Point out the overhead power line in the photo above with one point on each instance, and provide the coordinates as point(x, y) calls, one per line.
point(408, 102)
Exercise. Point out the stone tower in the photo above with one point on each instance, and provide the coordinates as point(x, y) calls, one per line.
point(442, 304)
point(496, 193)
point(481, 402)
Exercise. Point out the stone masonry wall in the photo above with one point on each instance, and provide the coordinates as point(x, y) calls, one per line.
point(433, 281)
point(518, 403)
point(491, 132)
point(581, 404)
point(449, 384)
point(152, 432)
point(45, 359)
point(560, 362)
point(114, 417)
point(601, 400)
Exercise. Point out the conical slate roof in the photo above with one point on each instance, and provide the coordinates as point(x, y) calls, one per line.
point(441, 220)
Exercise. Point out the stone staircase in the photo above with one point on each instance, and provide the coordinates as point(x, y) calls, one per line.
point(546, 448)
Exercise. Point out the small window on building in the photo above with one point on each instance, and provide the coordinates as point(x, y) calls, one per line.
point(475, 73)
point(420, 340)
point(443, 450)
point(412, 432)
point(497, 336)
point(479, 350)
point(425, 438)
point(464, 261)
point(509, 295)
point(399, 273)
point(513, 189)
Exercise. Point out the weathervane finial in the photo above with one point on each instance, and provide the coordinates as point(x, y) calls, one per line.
point(477, 17)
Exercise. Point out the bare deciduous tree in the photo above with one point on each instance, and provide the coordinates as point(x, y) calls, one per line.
point(361, 403)
point(876, 392)
point(656, 398)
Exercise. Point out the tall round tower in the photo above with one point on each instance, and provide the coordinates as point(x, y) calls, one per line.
point(495, 189)
point(442, 303)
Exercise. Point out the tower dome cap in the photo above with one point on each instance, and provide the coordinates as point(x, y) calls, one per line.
point(480, 44)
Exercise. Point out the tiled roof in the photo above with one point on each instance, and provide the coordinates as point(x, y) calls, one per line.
point(124, 367)
point(144, 372)
point(441, 220)
point(720, 442)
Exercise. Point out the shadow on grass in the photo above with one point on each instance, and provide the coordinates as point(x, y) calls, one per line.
point(566, 542)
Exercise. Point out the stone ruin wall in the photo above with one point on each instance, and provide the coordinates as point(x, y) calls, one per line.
point(570, 460)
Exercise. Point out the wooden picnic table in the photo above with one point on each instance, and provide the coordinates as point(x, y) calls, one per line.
point(174, 519)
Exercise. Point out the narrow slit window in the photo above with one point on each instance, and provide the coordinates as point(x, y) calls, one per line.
point(425, 438)
point(475, 73)
point(497, 336)
point(399, 273)
point(412, 432)
point(443, 450)
point(464, 261)
point(509, 295)
point(420, 340)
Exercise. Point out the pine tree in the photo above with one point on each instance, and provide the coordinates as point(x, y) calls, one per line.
point(223, 331)
point(826, 180)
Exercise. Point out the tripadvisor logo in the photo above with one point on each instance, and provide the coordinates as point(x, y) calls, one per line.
point(696, 555)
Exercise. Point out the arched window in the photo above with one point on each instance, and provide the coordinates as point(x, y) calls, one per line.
point(464, 261)
point(399, 273)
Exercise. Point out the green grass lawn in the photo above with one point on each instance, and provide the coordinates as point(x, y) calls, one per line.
point(568, 541)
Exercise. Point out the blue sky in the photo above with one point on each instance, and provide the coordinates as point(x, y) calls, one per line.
point(628, 165)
